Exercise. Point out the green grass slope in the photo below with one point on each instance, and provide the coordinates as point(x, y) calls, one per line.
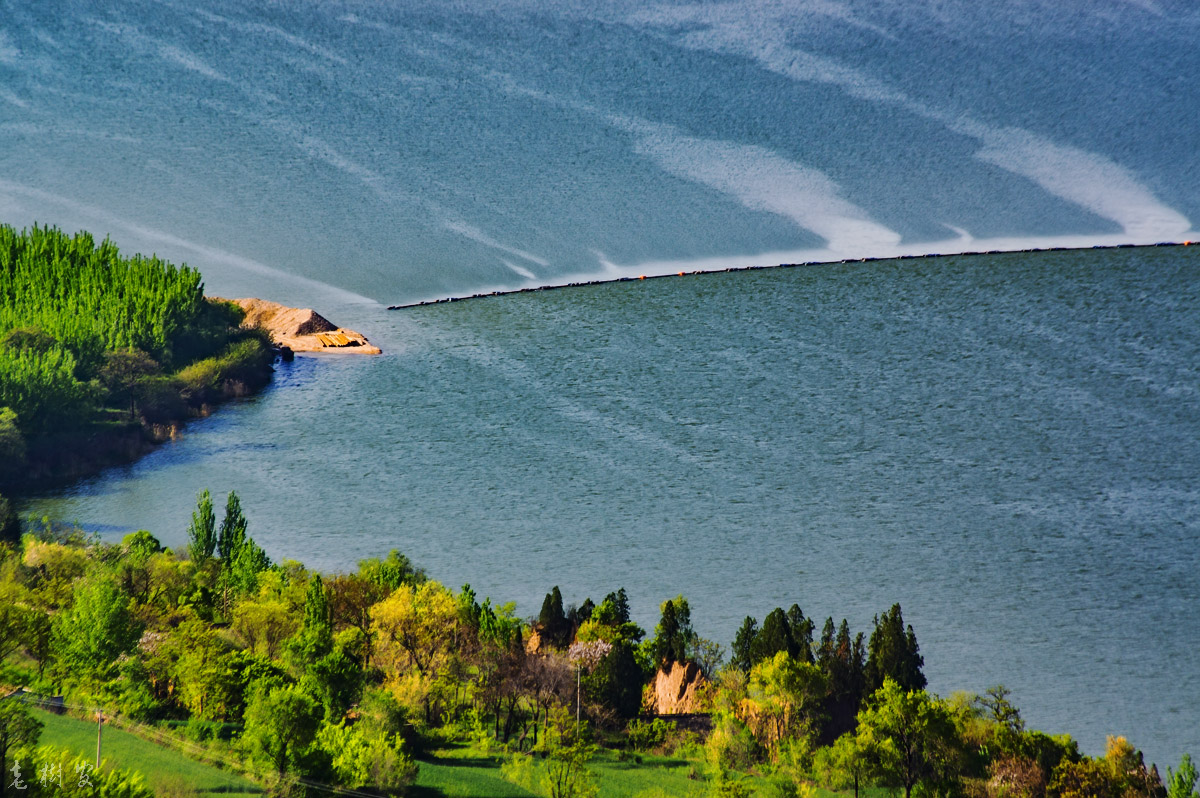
point(165, 771)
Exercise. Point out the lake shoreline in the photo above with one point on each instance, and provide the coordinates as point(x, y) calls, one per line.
point(60, 459)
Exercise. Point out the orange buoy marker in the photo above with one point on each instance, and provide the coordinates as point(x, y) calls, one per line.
point(642, 277)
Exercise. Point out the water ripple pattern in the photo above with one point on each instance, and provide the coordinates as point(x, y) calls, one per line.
point(1005, 444)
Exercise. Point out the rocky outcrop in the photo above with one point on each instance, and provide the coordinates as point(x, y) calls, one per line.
point(302, 329)
point(535, 643)
point(676, 688)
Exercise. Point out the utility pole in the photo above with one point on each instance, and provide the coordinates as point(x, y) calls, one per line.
point(99, 732)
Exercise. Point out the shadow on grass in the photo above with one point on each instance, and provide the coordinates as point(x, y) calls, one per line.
point(417, 791)
point(232, 790)
point(424, 791)
point(633, 764)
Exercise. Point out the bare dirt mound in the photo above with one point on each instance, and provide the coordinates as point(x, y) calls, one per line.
point(676, 688)
point(302, 329)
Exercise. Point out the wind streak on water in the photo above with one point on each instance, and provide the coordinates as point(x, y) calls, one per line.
point(386, 152)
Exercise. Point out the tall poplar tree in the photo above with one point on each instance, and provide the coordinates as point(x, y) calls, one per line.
point(233, 529)
point(202, 537)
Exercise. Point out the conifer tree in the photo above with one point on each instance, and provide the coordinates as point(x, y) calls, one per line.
point(774, 636)
point(802, 632)
point(620, 601)
point(552, 618)
point(674, 637)
point(825, 648)
point(202, 538)
point(893, 652)
point(742, 651)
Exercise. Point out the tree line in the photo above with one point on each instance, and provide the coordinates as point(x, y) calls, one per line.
point(95, 342)
point(348, 678)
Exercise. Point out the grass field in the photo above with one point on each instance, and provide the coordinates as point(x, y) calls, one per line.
point(451, 772)
point(460, 772)
point(165, 771)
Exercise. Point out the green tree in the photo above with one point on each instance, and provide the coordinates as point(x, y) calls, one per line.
point(281, 727)
point(123, 374)
point(1182, 783)
point(893, 653)
point(846, 763)
point(202, 536)
point(774, 636)
point(674, 638)
point(43, 390)
point(913, 736)
point(97, 629)
point(248, 562)
point(336, 679)
point(842, 661)
point(391, 572)
point(1008, 723)
point(364, 759)
point(617, 680)
point(620, 605)
point(784, 701)
point(18, 729)
point(315, 638)
point(233, 529)
point(207, 677)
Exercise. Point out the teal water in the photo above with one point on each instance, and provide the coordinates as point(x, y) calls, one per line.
point(1006, 445)
point(405, 151)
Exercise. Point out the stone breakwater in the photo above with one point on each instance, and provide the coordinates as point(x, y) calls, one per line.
point(630, 279)
point(302, 329)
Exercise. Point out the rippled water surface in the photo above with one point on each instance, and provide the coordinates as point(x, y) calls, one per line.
point(1006, 445)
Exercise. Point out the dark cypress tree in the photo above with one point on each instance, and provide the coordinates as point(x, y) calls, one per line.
point(842, 653)
point(621, 602)
point(674, 637)
point(826, 649)
point(858, 664)
point(668, 631)
point(553, 620)
point(775, 636)
point(841, 662)
point(802, 632)
point(585, 610)
point(893, 651)
point(742, 651)
point(617, 681)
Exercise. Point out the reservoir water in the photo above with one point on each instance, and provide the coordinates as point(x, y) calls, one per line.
point(1006, 445)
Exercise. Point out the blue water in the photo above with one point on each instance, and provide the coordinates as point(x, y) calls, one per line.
point(1005, 445)
point(415, 150)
